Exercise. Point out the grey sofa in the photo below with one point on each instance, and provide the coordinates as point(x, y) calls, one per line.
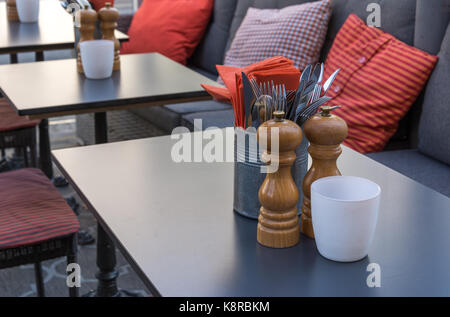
point(421, 146)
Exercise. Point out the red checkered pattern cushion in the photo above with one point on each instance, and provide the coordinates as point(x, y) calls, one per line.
point(32, 210)
point(296, 32)
point(380, 78)
point(10, 120)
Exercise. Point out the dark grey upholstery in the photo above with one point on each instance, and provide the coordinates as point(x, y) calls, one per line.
point(204, 72)
point(169, 117)
point(431, 22)
point(243, 5)
point(417, 166)
point(434, 128)
point(218, 119)
point(211, 50)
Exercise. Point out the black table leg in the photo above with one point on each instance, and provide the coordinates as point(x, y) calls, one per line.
point(39, 56)
point(44, 149)
point(106, 251)
point(58, 181)
point(13, 58)
point(106, 262)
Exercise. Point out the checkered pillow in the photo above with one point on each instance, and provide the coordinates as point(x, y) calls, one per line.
point(296, 32)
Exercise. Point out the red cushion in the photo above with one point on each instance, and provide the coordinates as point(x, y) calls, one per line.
point(380, 79)
point(171, 27)
point(98, 4)
point(32, 210)
point(10, 120)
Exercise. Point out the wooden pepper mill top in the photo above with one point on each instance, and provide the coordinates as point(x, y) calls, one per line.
point(108, 13)
point(290, 134)
point(278, 225)
point(325, 128)
point(88, 17)
point(325, 132)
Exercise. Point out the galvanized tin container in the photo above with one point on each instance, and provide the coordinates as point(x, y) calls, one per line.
point(247, 172)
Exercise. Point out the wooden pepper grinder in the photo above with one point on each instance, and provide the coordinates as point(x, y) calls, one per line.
point(325, 133)
point(88, 18)
point(11, 10)
point(108, 17)
point(278, 221)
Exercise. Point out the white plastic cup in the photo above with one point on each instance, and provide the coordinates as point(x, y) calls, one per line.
point(97, 58)
point(28, 10)
point(344, 216)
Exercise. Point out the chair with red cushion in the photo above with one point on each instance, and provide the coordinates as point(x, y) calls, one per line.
point(36, 224)
point(17, 132)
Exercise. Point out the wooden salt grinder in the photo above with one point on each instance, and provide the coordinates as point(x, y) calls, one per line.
point(11, 10)
point(108, 17)
point(88, 18)
point(278, 221)
point(325, 133)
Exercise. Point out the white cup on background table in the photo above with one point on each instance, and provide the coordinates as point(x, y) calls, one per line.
point(97, 57)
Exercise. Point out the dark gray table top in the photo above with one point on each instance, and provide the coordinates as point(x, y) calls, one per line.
point(54, 30)
point(56, 86)
point(175, 223)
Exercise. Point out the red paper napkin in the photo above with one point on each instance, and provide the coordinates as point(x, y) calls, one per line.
point(279, 69)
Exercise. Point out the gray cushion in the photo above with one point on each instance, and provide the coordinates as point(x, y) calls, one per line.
point(211, 49)
point(397, 18)
point(434, 127)
point(431, 23)
point(417, 166)
point(161, 117)
point(204, 72)
point(198, 106)
point(169, 117)
point(218, 119)
point(243, 5)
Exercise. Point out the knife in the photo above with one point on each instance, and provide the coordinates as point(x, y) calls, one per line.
point(249, 98)
point(329, 81)
point(301, 86)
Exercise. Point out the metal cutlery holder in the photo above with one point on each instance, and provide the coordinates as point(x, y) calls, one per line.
point(247, 172)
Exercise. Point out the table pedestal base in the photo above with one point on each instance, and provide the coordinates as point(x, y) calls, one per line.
point(106, 251)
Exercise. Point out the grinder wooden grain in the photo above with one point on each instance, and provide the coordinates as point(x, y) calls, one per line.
point(11, 10)
point(108, 17)
point(278, 225)
point(325, 133)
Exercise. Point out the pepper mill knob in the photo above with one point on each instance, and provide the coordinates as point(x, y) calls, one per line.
point(88, 18)
point(11, 10)
point(278, 225)
point(325, 132)
point(108, 17)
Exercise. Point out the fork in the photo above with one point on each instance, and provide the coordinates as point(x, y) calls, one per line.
point(279, 97)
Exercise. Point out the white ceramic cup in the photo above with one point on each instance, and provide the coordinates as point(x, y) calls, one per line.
point(344, 215)
point(28, 10)
point(97, 58)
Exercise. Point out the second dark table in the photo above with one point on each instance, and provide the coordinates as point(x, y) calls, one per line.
point(55, 88)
